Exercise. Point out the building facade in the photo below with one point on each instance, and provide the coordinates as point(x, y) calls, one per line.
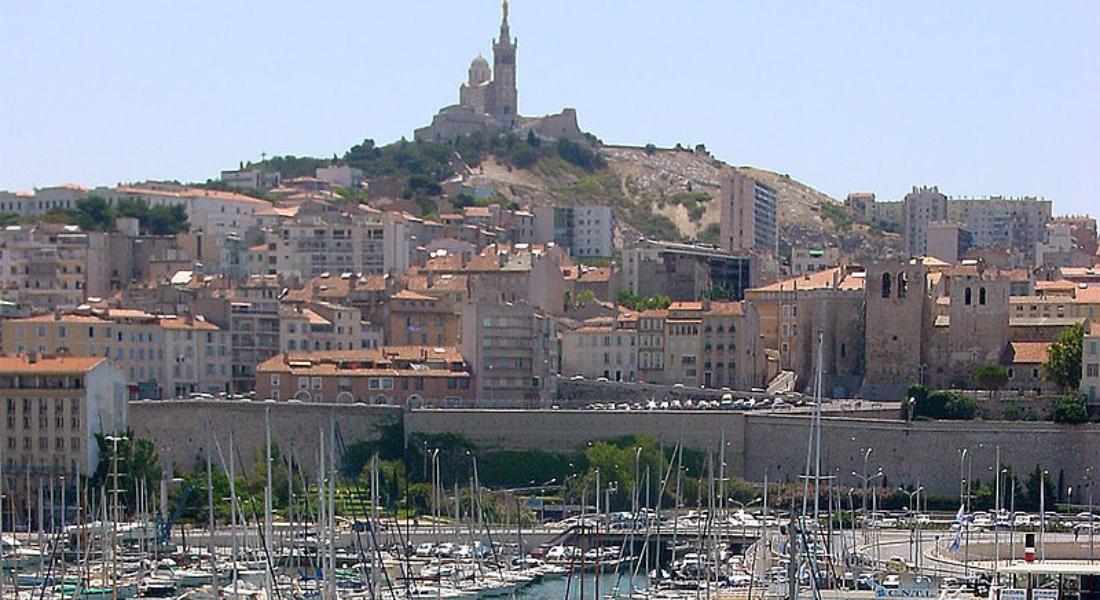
point(923, 206)
point(402, 375)
point(749, 219)
point(54, 405)
point(513, 350)
point(587, 231)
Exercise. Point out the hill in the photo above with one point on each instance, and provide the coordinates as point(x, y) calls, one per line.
point(673, 193)
point(664, 193)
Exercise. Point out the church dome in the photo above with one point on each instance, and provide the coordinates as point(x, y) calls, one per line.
point(479, 71)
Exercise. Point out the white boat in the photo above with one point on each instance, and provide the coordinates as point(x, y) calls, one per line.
point(14, 556)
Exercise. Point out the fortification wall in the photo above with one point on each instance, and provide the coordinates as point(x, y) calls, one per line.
point(927, 453)
point(179, 427)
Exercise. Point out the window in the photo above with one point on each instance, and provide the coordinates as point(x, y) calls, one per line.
point(275, 380)
point(967, 297)
point(316, 383)
point(981, 296)
point(885, 285)
point(903, 284)
point(303, 383)
point(1093, 370)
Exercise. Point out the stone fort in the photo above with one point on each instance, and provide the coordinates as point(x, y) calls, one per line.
point(489, 102)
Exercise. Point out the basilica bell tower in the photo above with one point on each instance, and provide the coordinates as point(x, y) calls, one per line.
point(505, 98)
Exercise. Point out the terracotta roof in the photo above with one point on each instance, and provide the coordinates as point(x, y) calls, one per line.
point(410, 295)
point(599, 274)
point(813, 281)
point(68, 318)
point(182, 323)
point(726, 308)
point(655, 313)
point(61, 365)
point(685, 306)
point(440, 283)
point(1029, 352)
point(1019, 274)
point(1060, 285)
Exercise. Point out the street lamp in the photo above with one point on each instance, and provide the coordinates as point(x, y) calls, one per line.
point(744, 531)
point(915, 536)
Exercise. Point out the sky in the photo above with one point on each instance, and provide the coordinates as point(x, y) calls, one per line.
point(979, 98)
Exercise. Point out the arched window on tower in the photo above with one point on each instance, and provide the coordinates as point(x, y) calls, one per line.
point(885, 285)
point(903, 284)
point(967, 297)
point(981, 296)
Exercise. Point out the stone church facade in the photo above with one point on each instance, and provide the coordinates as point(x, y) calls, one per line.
point(489, 101)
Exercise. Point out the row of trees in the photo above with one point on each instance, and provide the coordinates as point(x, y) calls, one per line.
point(96, 214)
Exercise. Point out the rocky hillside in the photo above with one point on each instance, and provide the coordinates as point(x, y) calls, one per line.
point(673, 193)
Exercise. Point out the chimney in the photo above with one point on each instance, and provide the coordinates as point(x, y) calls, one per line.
point(32, 357)
point(430, 279)
point(57, 314)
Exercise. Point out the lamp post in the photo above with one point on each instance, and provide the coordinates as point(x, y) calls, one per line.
point(866, 455)
point(744, 530)
point(915, 535)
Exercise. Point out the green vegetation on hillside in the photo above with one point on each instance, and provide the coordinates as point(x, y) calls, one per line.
point(694, 202)
point(95, 214)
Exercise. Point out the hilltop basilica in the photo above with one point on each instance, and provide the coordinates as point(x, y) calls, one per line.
point(488, 101)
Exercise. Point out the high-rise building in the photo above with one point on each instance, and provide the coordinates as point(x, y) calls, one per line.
point(587, 231)
point(749, 215)
point(923, 206)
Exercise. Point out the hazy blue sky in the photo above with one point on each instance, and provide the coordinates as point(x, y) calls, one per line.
point(977, 97)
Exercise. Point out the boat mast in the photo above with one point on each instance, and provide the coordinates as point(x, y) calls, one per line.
point(269, 575)
point(233, 512)
point(210, 512)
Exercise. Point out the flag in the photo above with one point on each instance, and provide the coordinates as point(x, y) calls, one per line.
point(960, 519)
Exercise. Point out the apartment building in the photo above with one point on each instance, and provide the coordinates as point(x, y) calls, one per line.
point(159, 355)
point(413, 375)
point(513, 350)
point(49, 265)
point(587, 231)
point(54, 405)
point(682, 327)
point(1066, 300)
point(1090, 363)
point(602, 349)
point(651, 346)
point(42, 200)
point(325, 326)
point(210, 211)
point(1018, 223)
point(321, 238)
point(733, 355)
point(922, 207)
point(254, 178)
point(812, 260)
point(413, 318)
point(749, 217)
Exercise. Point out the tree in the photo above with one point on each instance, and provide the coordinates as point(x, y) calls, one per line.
point(1071, 409)
point(137, 462)
point(1032, 498)
point(989, 377)
point(1063, 366)
point(94, 214)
